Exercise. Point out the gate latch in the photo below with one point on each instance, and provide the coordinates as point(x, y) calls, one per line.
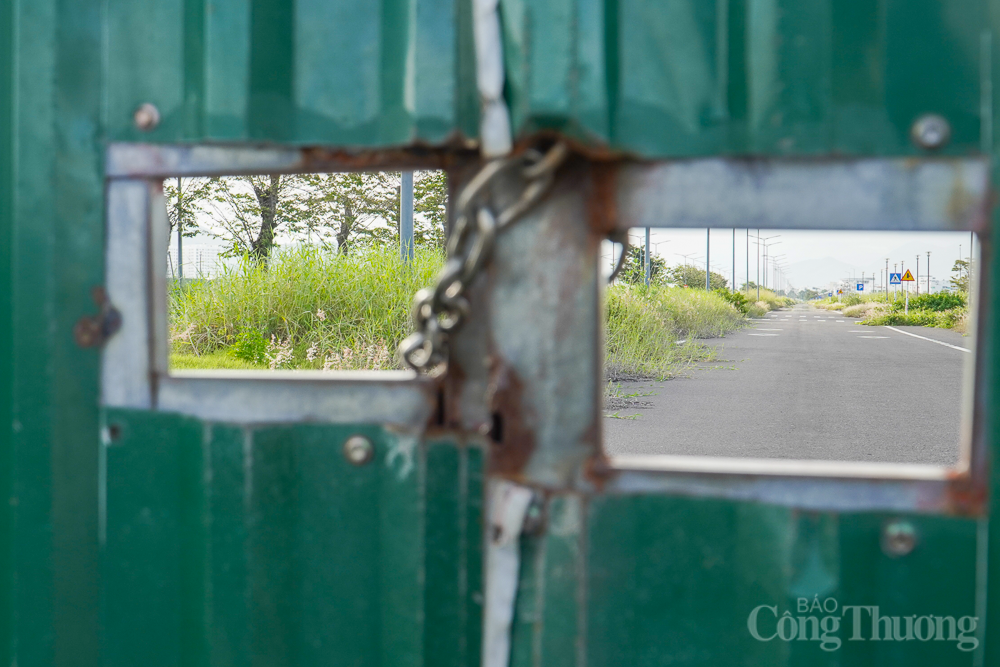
point(93, 331)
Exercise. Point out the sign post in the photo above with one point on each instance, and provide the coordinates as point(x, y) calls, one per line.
point(907, 278)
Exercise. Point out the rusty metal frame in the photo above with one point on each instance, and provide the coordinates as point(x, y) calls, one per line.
point(541, 375)
point(135, 370)
point(913, 194)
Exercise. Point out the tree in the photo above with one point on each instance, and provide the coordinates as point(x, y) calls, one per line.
point(186, 198)
point(691, 276)
point(248, 211)
point(808, 294)
point(634, 271)
point(430, 207)
point(356, 208)
point(961, 281)
point(344, 210)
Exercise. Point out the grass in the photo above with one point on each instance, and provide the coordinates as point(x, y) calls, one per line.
point(943, 310)
point(311, 309)
point(767, 301)
point(212, 360)
point(308, 309)
point(651, 331)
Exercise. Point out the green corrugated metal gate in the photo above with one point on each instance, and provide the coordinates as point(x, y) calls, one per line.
point(162, 529)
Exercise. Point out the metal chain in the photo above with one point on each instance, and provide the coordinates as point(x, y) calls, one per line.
point(441, 310)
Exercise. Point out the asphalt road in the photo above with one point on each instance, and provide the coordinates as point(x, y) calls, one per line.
point(806, 383)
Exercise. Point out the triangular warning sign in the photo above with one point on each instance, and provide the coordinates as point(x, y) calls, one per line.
point(908, 277)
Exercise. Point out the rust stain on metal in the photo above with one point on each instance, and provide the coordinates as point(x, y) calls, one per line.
point(982, 216)
point(966, 496)
point(515, 441)
point(317, 158)
point(450, 395)
point(598, 470)
point(602, 204)
point(94, 330)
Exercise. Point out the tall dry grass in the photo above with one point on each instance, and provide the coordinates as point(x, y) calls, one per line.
point(651, 331)
point(349, 310)
point(314, 309)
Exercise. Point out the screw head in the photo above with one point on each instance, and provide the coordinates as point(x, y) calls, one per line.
point(146, 117)
point(359, 450)
point(930, 131)
point(899, 538)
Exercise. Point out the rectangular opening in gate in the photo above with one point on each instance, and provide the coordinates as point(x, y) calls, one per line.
point(840, 346)
point(298, 271)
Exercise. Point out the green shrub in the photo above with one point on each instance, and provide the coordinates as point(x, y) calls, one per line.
point(250, 346)
point(737, 299)
point(938, 302)
point(947, 319)
point(851, 300)
point(916, 318)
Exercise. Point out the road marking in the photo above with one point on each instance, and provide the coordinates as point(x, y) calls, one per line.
point(872, 336)
point(840, 320)
point(762, 334)
point(954, 347)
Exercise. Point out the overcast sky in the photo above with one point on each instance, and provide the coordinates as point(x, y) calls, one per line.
point(812, 258)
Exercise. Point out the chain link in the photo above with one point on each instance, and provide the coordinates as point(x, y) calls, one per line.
point(441, 310)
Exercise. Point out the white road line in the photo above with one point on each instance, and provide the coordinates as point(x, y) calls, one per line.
point(840, 320)
point(955, 347)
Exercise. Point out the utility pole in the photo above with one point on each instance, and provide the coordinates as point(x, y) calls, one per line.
point(748, 259)
point(928, 271)
point(916, 283)
point(734, 259)
point(648, 262)
point(708, 248)
point(758, 263)
point(180, 233)
point(886, 283)
point(406, 217)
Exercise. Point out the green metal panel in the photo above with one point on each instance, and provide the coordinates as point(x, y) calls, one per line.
point(233, 546)
point(686, 77)
point(547, 625)
point(673, 581)
point(340, 73)
point(7, 31)
point(265, 546)
point(51, 219)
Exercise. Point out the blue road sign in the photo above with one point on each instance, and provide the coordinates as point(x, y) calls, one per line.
point(895, 278)
point(829, 293)
point(861, 287)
